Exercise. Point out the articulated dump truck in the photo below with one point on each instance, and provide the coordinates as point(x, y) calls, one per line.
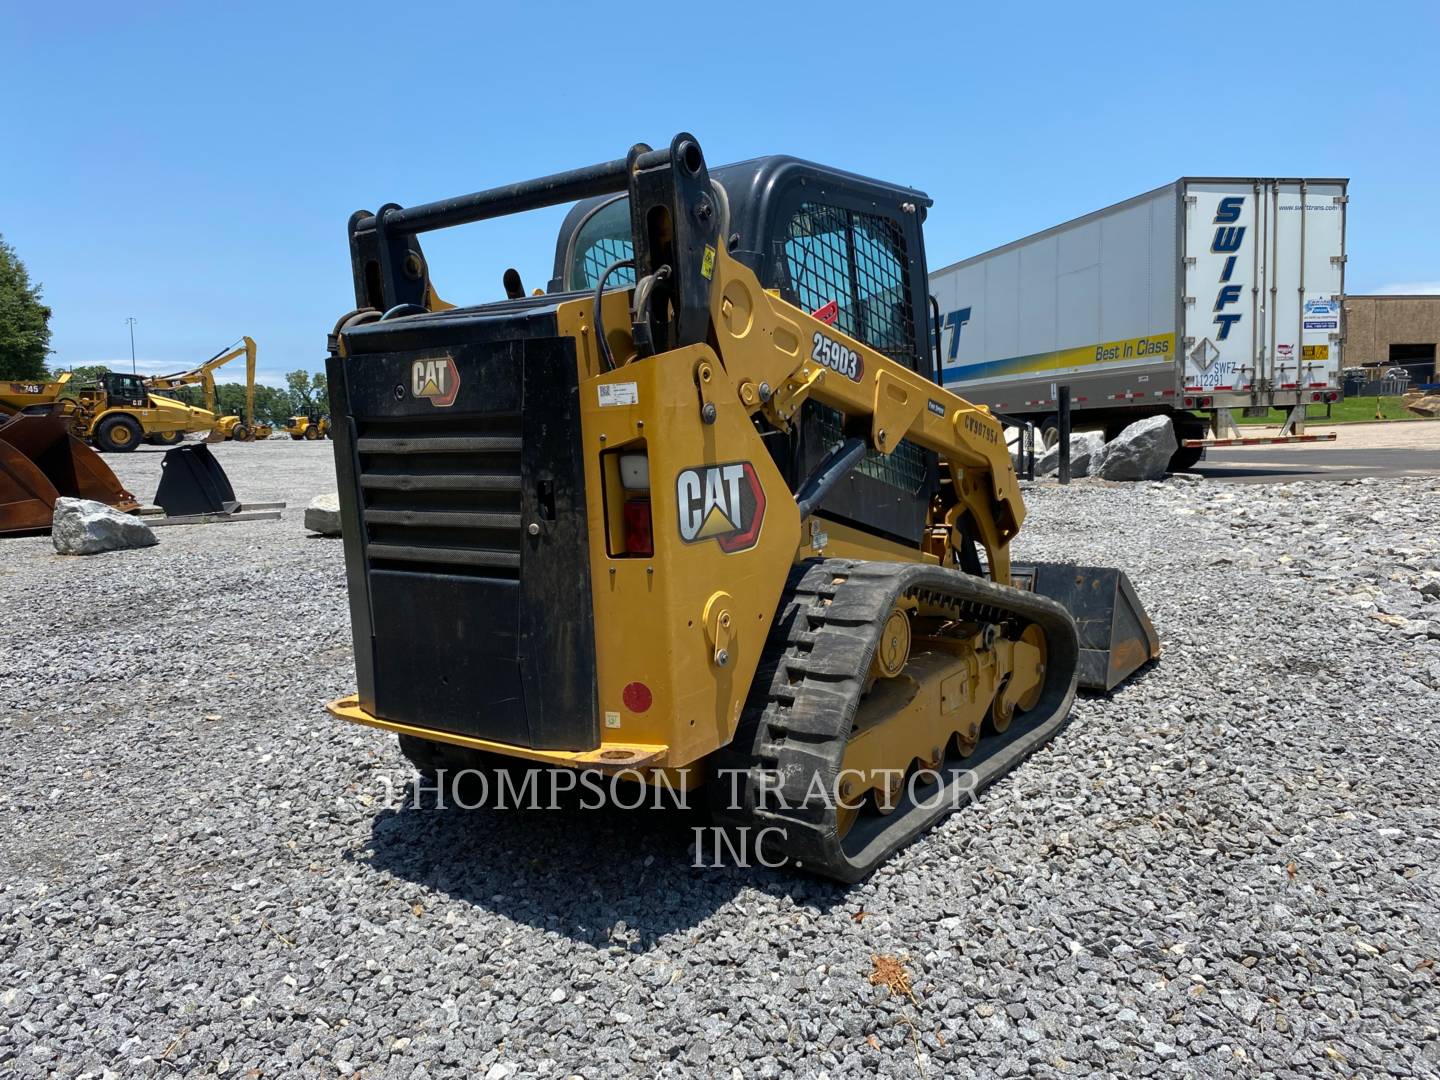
point(700, 510)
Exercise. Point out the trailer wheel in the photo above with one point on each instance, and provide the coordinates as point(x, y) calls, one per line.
point(119, 434)
point(1185, 458)
point(1049, 431)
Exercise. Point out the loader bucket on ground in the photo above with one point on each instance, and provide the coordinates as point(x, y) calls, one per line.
point(1116, 636)
point(40, 461)
point(192, 482)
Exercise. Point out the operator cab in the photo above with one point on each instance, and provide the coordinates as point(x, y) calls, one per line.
point(844, 247)
point(123, 389)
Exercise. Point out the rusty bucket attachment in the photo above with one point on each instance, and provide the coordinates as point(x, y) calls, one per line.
point(41, 461)
point(192, 482)
point(1116, 636)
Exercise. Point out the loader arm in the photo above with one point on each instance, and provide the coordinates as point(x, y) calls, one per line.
point(768, 343)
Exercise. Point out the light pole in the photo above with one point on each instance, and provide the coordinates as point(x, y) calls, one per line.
point(131, 323)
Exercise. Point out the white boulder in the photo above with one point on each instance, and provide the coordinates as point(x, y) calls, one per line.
point(86, 527)
point(323, 515)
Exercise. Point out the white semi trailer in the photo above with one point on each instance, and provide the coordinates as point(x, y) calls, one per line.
point(1193, 300)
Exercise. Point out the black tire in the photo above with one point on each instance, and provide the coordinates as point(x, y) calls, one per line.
point(240, 433)
point(297, 438)
point(119, 434)
point(1049, 433)
point(312, 433)
point(166, 438)
point(1185, 458)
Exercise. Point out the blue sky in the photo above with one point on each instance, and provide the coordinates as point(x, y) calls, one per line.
point(194, 166)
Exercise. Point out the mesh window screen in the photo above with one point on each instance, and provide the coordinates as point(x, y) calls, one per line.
point(858, 260)
point(602, 240)
point(604, 251)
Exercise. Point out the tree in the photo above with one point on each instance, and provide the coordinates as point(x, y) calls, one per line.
point(307, 392)
point(271, 406)
point(83, 375)
point(24, 321)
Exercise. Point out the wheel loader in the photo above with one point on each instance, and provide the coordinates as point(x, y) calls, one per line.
point(309, 427)
point(700, 510)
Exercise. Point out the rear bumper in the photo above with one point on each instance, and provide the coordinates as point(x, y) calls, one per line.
point(611, 756)
point(1259, 440)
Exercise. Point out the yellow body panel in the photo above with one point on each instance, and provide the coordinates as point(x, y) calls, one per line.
point(23, 393)
point(650, 613)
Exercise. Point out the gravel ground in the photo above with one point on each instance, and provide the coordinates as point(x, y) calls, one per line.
point(1226, 868)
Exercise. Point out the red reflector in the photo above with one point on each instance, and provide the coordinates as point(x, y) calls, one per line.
point(637, 696)
point(639, 539)
point(827, 314)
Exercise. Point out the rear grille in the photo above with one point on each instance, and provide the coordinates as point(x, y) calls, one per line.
point(442, 495)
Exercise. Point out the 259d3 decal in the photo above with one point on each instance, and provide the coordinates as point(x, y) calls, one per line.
point(724, 503)
point(837, 357)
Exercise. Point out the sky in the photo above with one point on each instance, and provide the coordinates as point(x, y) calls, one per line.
point(194, 166)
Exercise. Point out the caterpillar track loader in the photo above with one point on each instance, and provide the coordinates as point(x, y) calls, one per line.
point(700, 508)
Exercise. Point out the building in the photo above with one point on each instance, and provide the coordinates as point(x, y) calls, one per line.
point(1393, 331)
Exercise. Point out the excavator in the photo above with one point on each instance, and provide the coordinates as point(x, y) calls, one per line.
point(700, 512)
point(234, 428)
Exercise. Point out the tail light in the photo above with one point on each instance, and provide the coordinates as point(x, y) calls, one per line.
point(635, 481)
point(1206, 402)
point(1189, 403)
point(1332, 396)
point(1314, 397)
point(639, 532)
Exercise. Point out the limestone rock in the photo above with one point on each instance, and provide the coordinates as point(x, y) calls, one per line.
point(323, 515)
point(1140, 452)
point(1083, 445)
point(85, 527)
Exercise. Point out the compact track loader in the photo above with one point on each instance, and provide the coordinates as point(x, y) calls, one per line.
point(702, 507)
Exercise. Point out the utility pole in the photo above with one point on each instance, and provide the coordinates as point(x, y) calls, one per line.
point(131, 322)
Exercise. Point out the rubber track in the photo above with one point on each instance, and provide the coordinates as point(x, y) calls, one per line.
point(802, 705)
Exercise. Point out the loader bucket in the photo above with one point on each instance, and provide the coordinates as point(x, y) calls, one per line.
point(1116, 636)
point(40, 461)
point(192, 482)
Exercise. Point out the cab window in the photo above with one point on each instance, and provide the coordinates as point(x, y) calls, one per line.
point(858, 261)
point(604, 238)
